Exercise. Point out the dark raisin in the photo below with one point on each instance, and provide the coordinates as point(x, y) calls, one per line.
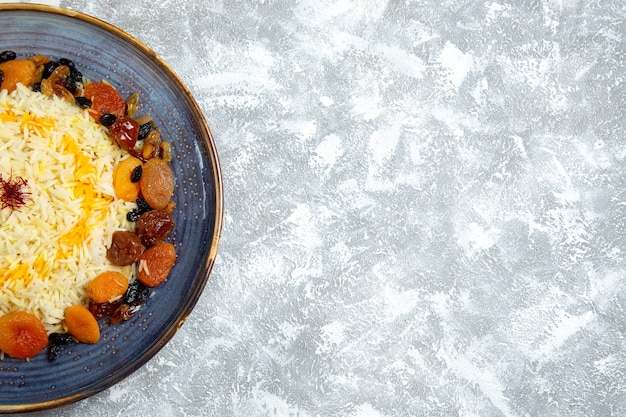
point(74, 80)
point(107, 119)
point(1, 77)
point(82, 102)
point(37, 87)
point(67, 62)
point(132, 292)
point(133, 215)
point(49, 68)
point(61, 338)
point(143, 205)
point(53, 352)
point(55, 341)
point(143, 295)
point(144, 130)
point(7, 56)
point(137, 293)
point(136, 175)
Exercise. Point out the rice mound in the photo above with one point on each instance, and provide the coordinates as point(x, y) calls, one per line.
point(53, 246)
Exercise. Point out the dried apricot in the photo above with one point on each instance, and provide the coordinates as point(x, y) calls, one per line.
point(82, 324)
point(107, 286)
point(157, 183)
point(104, 100)
point(22, 334)
point(125, 188)
point(17, 71)
point(155, 263)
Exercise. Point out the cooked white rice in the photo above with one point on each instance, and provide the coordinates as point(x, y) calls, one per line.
point(54, 245)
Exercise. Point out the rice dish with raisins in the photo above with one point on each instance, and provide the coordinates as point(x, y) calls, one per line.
point(55, 244)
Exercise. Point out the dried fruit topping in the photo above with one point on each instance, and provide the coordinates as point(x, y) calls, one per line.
point(82, 324)
point(154, 226)
point(124, 312)
point(157, 183)
point(126, 248)
point(125, 131)
point(137, 293)
point(22, 334)
point(105, 99)
point(102, 310)
point(7, 56)
point(155, 263)
point(55, 341)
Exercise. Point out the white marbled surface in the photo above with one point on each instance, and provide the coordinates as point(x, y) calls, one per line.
point(424, 209)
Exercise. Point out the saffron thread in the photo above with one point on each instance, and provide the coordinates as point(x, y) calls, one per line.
point(14, 192)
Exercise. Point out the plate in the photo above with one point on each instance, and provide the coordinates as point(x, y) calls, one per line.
point(103, 51)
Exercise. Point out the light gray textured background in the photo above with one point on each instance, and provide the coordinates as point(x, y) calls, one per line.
point(424, 209)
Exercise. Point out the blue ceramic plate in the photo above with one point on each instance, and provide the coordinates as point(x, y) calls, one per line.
point(102, 51)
